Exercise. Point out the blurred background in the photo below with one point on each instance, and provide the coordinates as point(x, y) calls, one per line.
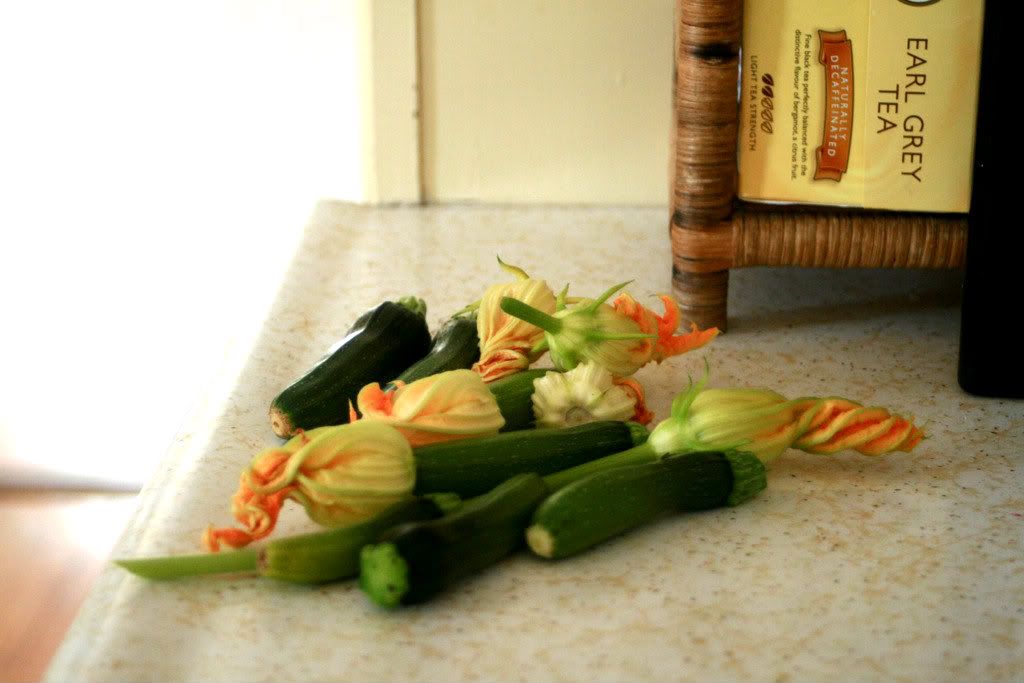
point(158, 162)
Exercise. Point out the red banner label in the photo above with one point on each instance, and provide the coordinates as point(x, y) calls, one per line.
point(836, 55)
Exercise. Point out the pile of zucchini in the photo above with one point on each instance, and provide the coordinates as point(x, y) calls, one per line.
point(387, 344)
point(476, 500)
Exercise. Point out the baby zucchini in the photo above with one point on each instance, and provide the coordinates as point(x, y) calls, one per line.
point(325, 556)
point(603, 505)
point(412, 562)
point(382, 343)
point(318, 557)
point(456, 346)
point(469, 467)
point(515, 398)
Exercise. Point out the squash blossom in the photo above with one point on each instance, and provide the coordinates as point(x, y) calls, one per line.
point(621, 338)
point(341, 475)
point(442, 407)
point(507, 344)
point(641, 413)
point(765, 423)
point(587, 393)
point(667, 343)
point(760, 422)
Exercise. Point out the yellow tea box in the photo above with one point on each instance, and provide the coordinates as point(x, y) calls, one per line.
point(867, 103)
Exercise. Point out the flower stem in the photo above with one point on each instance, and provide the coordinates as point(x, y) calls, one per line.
point(179, 566)
point(528, 313)
point(636, 455)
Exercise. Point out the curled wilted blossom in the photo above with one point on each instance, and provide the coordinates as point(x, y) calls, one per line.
point(507, 344)
point(341, 475)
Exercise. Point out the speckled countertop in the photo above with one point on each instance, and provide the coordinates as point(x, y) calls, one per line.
point(902, 568)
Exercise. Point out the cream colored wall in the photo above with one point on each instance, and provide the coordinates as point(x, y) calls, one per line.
point(554, 101)
point(387, 72)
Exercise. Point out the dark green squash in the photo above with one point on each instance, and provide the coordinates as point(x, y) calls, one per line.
point(456, 346)
point(382, 343)
point(412, 562)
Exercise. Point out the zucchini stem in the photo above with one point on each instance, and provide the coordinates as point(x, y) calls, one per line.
point(180, 566)
point(528, 313)
point(414, 304)
point(385, 574)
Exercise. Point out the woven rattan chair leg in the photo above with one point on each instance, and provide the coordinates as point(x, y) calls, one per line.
point(703, 297)
point(707, 43)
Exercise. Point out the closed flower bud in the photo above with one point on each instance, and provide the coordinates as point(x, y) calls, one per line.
point(449, 405)
point(765, 423)
point(341, 475)
point(507, 344)
point(588, 330)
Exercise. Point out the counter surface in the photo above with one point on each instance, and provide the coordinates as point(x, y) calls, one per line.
point(901, 568)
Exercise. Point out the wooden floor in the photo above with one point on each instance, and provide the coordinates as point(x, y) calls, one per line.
point(54, 545)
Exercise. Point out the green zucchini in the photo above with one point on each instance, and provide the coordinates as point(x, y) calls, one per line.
point(333, 555)
point(602, 505)
point(383, 342)
point(412, 562)
point(468, 467)
point(515, 398)
point(318, 557)
point(455, 346)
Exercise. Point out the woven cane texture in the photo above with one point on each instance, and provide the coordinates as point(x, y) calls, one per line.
point(712, 231)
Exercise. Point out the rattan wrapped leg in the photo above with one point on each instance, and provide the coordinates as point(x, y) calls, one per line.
point(704, 169)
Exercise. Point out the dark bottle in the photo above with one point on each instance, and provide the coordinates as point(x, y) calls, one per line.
point(991, 346)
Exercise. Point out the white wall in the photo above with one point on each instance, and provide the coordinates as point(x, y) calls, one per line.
point(154, 158)
point(157, 157)
point(555, 101)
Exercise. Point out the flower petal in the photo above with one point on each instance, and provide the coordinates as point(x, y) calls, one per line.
point(632, 387)
point(501, 363)
point(448, 405)
point(499, 331)
point(763, 422)
point(341, 474)
point(668, 343)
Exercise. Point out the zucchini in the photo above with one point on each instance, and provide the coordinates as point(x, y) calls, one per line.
point(468, 467)
point(455, 346)
point(309, 558)
point(602, 505)
point(412, 562)
point(383, 341)
point(333, 555)
point(515, 398)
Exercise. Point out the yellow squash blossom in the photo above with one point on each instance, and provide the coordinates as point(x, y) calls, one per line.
point(341, 475)
point(507, 344)
point(765, 423)
point(667, 343)
point(587, 393)
point(621, 338)
point(449, 405)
